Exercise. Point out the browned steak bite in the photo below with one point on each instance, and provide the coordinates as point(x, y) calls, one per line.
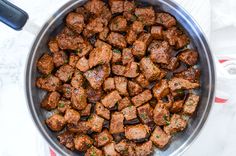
point(102, 111)
point(145, 113)
point(190, 57)
point(53, 46)
point(94, 26)
point(180, 83)
point(75, 21)
point(121, 85)
point(45, 64)
point(122, 147)
point(95, 6)
point(123, 103)
point(111, 99)
point(173, 64)
point(79, 98)
point(116, 56)
point(177, 106)
point(117, 40)
point(50, 101)
point(142, 81)
point(82, 64)
point(60, 58)
point(177, 123)
point(161, 89)
point(93, 151)
point(131, 36)
point(49, 83)
point(165, 19)
point(63, 105)
point(95, 123)
point(130, 113)
point(82, 142)
point(142, 98)
point(192, 74)
point(149, 69)
point(127, 56)
point(73, 59)
point(103, 138)
point(86, 111)
point(56, 122)
point(109, 84)
point(131, 70)
point(136, 132)
point(116, 123)
point(190, 104)
point(161, 53)
point(66, 90)
point(94, 95)
point(109, 150)
point(134, 88)
point(117, 6)
point(77, 79)
point(157, 32)
point(65, 72)
point(84, 49)
point(144, 149)
point(161, 115)
point(81, 10)
point(118, 23)
point(160, 138)
point(103, 35)
point(67, 139)
point(145, 15)
point(72, 116)
point(118, 70)
point(129, 7)
point(80, 127)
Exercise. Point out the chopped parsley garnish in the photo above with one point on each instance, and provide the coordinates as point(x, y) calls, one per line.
point(78, 51)
point(116, 50)
point(104, 138)
point(61, 105)
point(165, 117)
point(143, 116)
point(157, 136)
point(180, 91)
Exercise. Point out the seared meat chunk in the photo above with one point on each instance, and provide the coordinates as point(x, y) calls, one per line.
point(142, 81)
point(84, 49)
point(66, 90)
point(86, 111)
point(83, 64)
point(109, 84)
point(93, 151)
point(130, 113)
point(67, 139)
point(79, 98)
point(75, 21)
point(123, 103)
point(95, 123)
point(127, 56)
point(100, 43)
point(161, 54)
point(116, 56)
point(144, 149)
point(100, 55)
point(134, 88)
point(94, 95)
point(117, 6)
point(117, 40)
point(145, 15)
point(45, 64)
point(109, 150)
point(177, 123)
point(161, 115)
point(172, 65)
point(73, 59)
point(137, 27)
point(142, 98)
point(65, 72)
point(72, 116)
point(146, 38)
point(56, 122)
point(53, 46)
point(77, 80)
point(159, 137)
point(131, 70)
point(149, 69)
point(145, 113)
point(60, 58)
point(121, 85)
point(81, 10)
point(165, 19)
point(111, 99)
point(118, 23)
point(192, 74)
point(94, 26)
point(97, 75)
point(190, 104)
point(50, 101)
point(102, 111)
point(106, 13)
point(136, 132)
point(177, 106)
point(103, 34)
point(103, 138)
point(95, 6)
point(116, 123)
point(161, 89)
point(82, 142)
point(131, 36)
point(49, 83)
point(157, 32)
point(118, 70)
point(63, 105)
point(139, 48)
point(190, 57)
point(80, 127)
point(129, 7)
point(180, 83)
point(122, 147)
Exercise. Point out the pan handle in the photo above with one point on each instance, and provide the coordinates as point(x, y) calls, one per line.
point(12, 16)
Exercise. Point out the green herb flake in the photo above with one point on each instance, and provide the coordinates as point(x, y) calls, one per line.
point(180, 91)
point(61, 105)
point(143, 116)
point(116, 51)
point(157, 136)
point(78, 51)
point(104, 138)
point(165, 117)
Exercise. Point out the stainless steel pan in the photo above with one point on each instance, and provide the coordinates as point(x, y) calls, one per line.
point(181, 141)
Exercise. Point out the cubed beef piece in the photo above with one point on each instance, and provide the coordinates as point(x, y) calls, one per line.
point(161, 54)
point(146, 38)
point(161, 115)
point(65, 72)
point(177, 106)
point(172, 65)
point(45, 64)
point(56, 122)
point(60, 58)
point(84, 49)
point(176, 37)
point(157, 32)
point(134, 88)
point(180, 83)
point(80, 127)
point(102, 111)
point(116, 123)
point(94, 26)
point(95, 123)
point(127, 56)
point(122, 147)
point(53, 46)
point(72, 116)
point(93, 151)
point(81, 10)
point(96, 76)
point(145, 15)
point(106, 13)
point(159, 137)
point(73, 59)
point(149, 69)
point(67, 139)
point(63, 105)
point(118, 23)
point(190, 57)
point(154, 45)
point(192, 74)
point(139, 48)
point(177, 123)
point(123, 103)
point(117, 40)
point(117, 6)
point(103, 34)
point(142, 81)
point(116, 56)
point(67, 39)
point(66, 90)
point(100, 43)
point(130, 113)
point(165, 19)
point(118, 70)
point(77, 79)
point(75, 21)
point(109, 150)
point(86, 111)
point(162, 74)
point(121, 85)
point(137, 27)
point(161, 89)
point(95, 6)
point(111, 99)
point(142, 98)
point(109, 84)
point(145, 113)
point(131, 36)
point(82, 142)
point(50, 101)
point(136, 132)
point(103, 138)
point(94, 95)
point(191, 104)
point(100, 55)
point(131, 70)
point(129, 7)
point(49, 83)
point(79, 98)
point(144, 149)
point(83, 64)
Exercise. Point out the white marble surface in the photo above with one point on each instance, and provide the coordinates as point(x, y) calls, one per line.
point(18, 133)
